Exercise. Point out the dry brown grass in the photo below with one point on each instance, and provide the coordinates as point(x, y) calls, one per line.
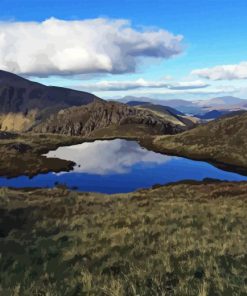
point(223, 141)
point(184, 239)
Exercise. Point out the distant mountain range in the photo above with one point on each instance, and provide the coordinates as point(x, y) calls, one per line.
point(223, 101)
point(157, 107)
point(212, 114)
point(171, 103)
point(201, 107)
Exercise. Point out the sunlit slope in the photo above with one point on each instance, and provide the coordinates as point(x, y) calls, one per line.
point(223, 140)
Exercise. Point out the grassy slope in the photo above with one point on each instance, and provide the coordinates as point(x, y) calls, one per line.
point(162, 113)
point(223, 141)
point(176, 240)
point(183, 239)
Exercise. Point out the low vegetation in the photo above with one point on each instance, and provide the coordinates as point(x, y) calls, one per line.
point(22, 153)
point(183, 239)
point(222, 141)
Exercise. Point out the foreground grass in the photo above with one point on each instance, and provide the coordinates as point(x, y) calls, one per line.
point(183, 239)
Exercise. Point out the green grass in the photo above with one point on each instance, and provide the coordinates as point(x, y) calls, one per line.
point(184, 239)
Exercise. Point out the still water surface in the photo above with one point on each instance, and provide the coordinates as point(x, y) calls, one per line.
point(118, 166)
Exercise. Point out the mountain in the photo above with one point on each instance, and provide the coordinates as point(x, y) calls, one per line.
point(31, 106)
point(107, 119)
point(227, 103)
point(182, 106)
point(155, 107)
point(23, 102)
point(166, 112)
point(171, 103)
point(222, 141)
point(214, 114)
point(223, 101)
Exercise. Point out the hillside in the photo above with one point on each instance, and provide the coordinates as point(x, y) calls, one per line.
point(23, 102)
point(169, 114)
point(214, 114)
point(107, 118)
point(171, 103)
point(155, 107)
point(223, 101)
point(223, 141)
point(163, 241)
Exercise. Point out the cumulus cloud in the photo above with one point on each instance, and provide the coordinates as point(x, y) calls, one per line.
point(142, 83)
point(224, 72)
point(58, 47)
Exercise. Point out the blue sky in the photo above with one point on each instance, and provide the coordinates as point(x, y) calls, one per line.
point(214, 34)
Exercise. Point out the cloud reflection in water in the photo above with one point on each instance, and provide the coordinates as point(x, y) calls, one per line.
point(108, 157)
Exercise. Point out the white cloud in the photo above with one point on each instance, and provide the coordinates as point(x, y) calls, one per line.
point(203, 91)
point(224, 72)
point(142, 83)
point(188, 85)
point(165, 93)
point(57, 47)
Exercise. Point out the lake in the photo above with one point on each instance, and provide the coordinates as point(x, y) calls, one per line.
point(118, 166)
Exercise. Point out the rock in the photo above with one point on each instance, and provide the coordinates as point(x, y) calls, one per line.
point(84, 120)
point(19, 147)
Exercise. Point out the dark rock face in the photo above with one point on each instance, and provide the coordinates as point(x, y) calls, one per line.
point(98, 115)
point(34, 100)
point(20, 95)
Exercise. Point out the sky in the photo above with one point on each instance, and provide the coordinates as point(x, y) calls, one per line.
point(185, 49)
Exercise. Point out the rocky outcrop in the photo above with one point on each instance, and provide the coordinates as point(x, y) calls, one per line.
point(99, 115)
